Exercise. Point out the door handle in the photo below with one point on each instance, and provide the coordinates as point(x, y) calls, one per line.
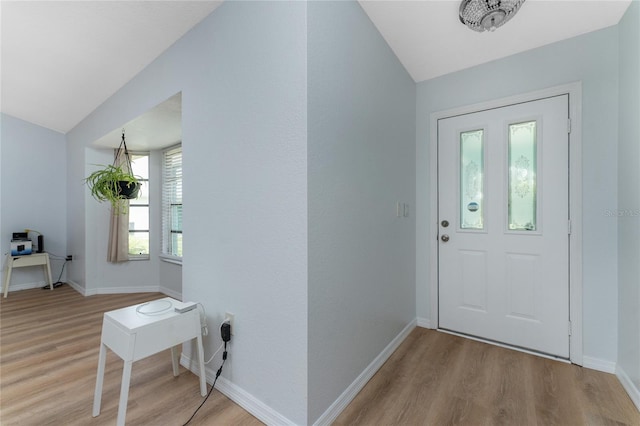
point(444, 238)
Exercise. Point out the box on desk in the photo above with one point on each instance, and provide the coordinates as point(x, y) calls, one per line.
point(20, 247)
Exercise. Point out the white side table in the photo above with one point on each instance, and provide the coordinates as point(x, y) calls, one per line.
point(134, 335)
point(33, 259)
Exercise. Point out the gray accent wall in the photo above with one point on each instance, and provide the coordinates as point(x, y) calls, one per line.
point(361, 136)
point(629, 198)
point(593, 60)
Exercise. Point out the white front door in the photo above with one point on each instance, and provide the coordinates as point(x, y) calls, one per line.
point(503, 212)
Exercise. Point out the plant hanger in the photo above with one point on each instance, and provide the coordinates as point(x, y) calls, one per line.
point(123, 145)
point(114, 183)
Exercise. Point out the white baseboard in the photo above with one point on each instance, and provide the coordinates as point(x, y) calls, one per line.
point(259, 409)
point(423, 322)
point(121, 290)
point(629, 386)
point(253, 405)
point(118, 290)
point(269, 416)
point(352, 390)
point(25, 286)
point(170, 293)
point(77, 287)
point(599, 364)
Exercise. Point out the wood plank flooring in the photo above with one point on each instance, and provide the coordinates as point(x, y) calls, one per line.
point(439, 379)
point(49, 343)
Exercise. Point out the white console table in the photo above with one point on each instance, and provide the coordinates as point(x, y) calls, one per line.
point(33, 259)
point(142, 330)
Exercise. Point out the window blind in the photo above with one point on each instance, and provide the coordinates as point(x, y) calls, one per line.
point(172, 201)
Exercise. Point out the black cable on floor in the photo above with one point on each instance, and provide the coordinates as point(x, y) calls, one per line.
point(224, 359)
point(57, 283)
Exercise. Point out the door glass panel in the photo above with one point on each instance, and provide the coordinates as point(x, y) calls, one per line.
point(471, 180)
point(522, 176)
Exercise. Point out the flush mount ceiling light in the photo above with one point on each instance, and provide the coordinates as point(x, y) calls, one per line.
point(487, 15)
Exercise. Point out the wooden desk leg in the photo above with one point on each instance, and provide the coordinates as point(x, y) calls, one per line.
point(175, 359)
point(7, 278)
point(47, 271)
point(124, 392)
point(203, 374)
point(97, 396)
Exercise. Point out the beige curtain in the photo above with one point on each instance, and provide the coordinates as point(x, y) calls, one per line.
point(118, 250)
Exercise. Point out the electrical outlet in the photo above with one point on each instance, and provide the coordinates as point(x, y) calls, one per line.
point(230, 317)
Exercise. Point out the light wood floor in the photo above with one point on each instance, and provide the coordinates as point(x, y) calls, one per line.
point(439, 379)
point(49, 343)
point(49, 353)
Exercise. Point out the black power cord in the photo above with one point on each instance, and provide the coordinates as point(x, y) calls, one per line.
point(57, 283)
point(225, 332)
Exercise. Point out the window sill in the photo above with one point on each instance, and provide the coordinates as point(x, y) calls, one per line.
point(141, 257)
point(171, 259)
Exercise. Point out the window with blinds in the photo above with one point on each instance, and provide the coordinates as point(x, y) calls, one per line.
point(139, 210)
point(172, 201)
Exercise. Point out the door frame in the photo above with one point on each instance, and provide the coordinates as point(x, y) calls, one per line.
point(574, 91)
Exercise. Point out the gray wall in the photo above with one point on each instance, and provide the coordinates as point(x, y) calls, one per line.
point(361, 144)
point(242, 74)
point(629, 198)
point(33, 170)
point(245, 175)
point(592, 59)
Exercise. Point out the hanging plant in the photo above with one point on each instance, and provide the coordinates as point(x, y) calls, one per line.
point(114, 183)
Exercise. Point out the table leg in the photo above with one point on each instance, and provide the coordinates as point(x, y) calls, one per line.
point(124, 393)
point(175, 359)
point(203, 374)
point(97, 396)
point(7, 278)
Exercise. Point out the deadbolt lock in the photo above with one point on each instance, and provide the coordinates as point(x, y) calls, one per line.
point(444, 223)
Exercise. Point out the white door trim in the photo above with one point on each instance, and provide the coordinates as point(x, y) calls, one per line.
point(574, 90)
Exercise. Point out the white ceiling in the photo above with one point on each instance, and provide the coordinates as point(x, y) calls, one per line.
point(157, 128)
point(430, 41)
point(61, 59)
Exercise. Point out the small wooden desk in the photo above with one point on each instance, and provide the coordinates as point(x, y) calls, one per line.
point(33, 259)
point(134, 335)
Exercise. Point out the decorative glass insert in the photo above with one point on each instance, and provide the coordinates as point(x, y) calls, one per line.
point(522, 176)
point(471, 180)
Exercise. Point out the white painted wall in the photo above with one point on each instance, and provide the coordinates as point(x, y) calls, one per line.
point(242, 73)
point(33, 170)
point(629, 199)
point(592, 59)
point(360, 164)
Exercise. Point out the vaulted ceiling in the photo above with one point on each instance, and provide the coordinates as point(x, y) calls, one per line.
point(430, 41)
point(61, 59)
